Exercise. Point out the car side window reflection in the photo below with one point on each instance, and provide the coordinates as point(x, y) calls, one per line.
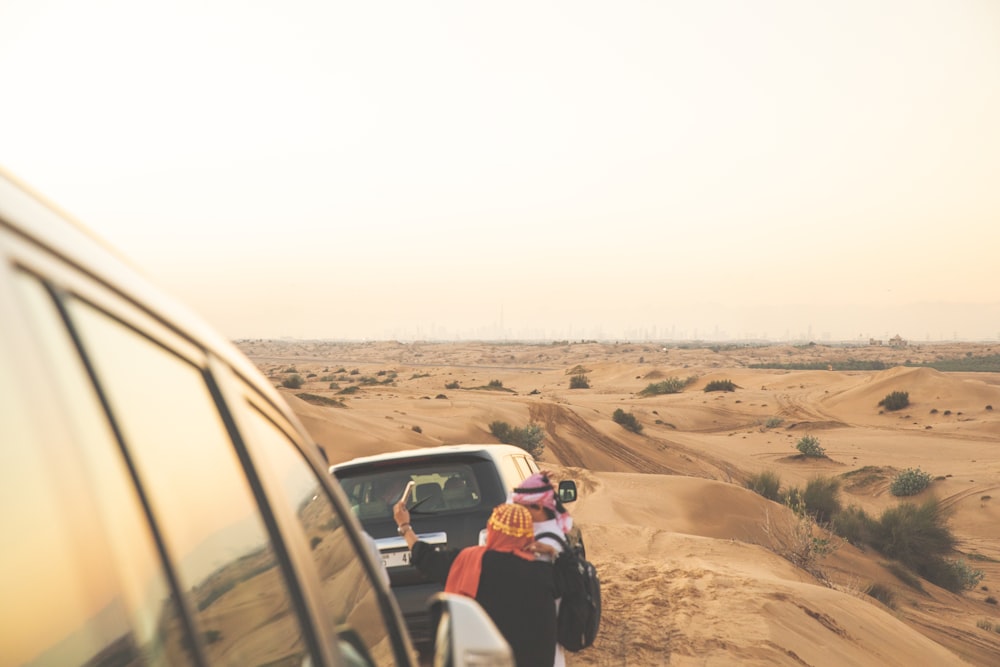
point(78, 550)
point(348, 592)
point(200, 496)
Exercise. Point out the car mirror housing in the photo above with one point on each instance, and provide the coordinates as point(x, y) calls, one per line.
point(466, 635)
point(567, 491)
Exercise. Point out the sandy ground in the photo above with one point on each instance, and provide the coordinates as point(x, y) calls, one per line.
point(696, 570)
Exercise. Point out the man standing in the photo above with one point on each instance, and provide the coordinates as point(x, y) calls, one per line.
point(548, 516)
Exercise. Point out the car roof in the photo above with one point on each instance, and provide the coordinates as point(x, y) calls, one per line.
point(32, 217)
point(488, 450)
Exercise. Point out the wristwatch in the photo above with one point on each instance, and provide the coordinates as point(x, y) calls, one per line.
point(402, 529)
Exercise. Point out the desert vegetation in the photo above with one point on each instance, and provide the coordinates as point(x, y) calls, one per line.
point(720, 385)
point(627, 420)
point(529, 438)
point(809, 447)
point(896, 400)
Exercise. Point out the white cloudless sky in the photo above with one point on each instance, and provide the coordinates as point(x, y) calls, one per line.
point(623, 170)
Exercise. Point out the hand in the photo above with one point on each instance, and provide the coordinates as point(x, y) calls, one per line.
point(542, 549)
point(400, 513)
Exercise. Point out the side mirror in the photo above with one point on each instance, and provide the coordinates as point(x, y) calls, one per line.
point(567, 491)
point(465, 635)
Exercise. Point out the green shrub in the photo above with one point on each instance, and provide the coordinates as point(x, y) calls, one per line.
point(910, 482)
point(349, 390)
point(672, 385)
point(773, 422)
point(528, 438)
point(720, 385)
point(766, 483)
point(918, 536)
point(627, 420)
point(452, 385)
point(854, 525)
point(809, 446)
point(293, 382)
point(326, 401)
point(579, 381)
point(897, 400)
point(821, 498)
point(495, 384)
point(967, 576)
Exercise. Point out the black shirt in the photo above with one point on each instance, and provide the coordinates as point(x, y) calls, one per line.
point(519, 595)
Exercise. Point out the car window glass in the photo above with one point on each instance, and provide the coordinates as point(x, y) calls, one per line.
point(82, 580)
point(348, 590)
point(438, 487)
point(199, 495)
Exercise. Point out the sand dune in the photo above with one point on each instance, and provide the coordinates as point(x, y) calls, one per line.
point(696, 569)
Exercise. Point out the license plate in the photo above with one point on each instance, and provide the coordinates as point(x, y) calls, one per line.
point(396, 558)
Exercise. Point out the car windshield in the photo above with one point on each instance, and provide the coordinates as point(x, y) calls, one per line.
point(439, 487)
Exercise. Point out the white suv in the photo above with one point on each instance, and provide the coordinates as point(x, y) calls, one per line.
point(161, 504)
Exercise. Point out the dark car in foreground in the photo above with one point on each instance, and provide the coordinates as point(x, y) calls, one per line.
point(160, 503)
point(455, 489)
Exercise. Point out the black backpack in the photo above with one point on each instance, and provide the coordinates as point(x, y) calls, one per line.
point(580, 609)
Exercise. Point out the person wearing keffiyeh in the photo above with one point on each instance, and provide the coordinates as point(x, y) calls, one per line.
point(548, 515)
point(504, 576)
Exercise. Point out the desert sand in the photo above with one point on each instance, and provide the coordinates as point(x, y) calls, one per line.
point(696, 569)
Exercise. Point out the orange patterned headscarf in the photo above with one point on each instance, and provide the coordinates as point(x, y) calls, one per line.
point(509, 530)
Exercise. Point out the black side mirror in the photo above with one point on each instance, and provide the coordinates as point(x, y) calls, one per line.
point(567, 491)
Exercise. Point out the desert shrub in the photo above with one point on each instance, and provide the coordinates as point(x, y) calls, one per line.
point(310, 376)
point(334, 385)
point(883, 594)
point(452, 385)
point(854, 525)
point(355, 371)
point(627, 420)
point(579, 381)
point(315, 399)
point(353, 389)
point(528, 438)
point(416, 429)
point(820, 498)
point(792, 497)
point(896, 400)
point(918, 536)
point(990, 600)
point(910, 482)
point(766, 483)
point(672, 385)
point(495, 384)
point(439, 396)
point(773, 422)
point(293, 382)
point(968, 576)
point(809, 446)
point(720, 385)
point(985, 624)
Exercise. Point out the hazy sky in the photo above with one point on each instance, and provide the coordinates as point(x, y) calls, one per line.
point(623, 169)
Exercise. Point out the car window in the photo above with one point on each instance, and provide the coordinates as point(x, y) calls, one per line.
point(348, 591)
point(82, 580)
point(523, 467)
point(438, 487)
point(199, 494)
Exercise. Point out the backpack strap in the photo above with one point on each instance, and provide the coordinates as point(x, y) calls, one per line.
point(560, 539)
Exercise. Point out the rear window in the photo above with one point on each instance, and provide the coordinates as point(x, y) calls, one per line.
point(439, 487)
